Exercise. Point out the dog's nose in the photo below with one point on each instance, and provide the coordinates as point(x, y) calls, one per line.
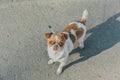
point(55, 47)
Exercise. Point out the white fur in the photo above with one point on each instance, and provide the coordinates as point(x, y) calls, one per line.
point(81, 39)
point(62, 54)
point(66, 33)
point(56, 37)
point(85, 14)
point(59, 55)
point(73, 32)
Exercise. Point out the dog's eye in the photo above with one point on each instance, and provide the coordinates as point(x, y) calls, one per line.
point(51, 42)
point(61, 43)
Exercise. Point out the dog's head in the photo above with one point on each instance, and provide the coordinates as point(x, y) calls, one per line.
point(56, 41)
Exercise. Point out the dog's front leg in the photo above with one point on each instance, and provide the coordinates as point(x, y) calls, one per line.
point(51, 61)
point(60, 68)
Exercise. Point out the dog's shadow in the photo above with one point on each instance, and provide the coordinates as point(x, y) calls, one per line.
point(103, 36)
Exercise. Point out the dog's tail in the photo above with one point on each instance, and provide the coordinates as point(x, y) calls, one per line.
point(84, 17)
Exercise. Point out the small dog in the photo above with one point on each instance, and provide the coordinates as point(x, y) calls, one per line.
point(60, 45)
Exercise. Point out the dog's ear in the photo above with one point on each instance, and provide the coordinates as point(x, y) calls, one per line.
point(47, 35)
point(64, 36)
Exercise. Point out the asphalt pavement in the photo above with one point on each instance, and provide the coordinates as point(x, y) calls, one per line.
point(23, 54)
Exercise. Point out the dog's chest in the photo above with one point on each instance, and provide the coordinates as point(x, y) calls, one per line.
point(62, 53)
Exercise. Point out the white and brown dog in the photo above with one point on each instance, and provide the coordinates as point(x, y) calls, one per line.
point(60, 45)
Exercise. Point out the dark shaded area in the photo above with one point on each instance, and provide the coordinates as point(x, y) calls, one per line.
point(103, 37)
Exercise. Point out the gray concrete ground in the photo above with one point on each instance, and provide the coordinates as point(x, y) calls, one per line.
point(23, 53)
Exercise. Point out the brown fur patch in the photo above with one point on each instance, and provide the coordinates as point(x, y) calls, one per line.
point(83, 21)
point(47, 35)
point(79, 31)
point(61, 39)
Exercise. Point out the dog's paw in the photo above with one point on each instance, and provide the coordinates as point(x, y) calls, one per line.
point(50, 61)
point(59, 71)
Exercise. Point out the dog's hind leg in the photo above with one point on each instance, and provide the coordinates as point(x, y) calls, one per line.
point(81, 41)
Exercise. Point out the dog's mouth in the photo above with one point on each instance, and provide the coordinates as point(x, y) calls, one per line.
point(55, 47)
